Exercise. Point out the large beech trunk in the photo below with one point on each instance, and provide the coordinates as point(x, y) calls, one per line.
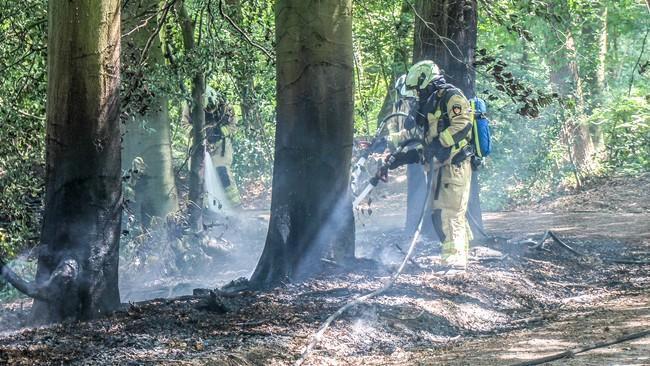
point(445, 32)
point(83, 202)
point(311, 211)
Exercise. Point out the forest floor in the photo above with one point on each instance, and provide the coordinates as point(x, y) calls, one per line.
point(513, 304)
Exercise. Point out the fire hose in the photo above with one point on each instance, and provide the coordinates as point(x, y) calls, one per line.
point(319, 334)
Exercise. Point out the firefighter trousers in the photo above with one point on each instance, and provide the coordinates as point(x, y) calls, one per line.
point(449, 198)
point(222, 160)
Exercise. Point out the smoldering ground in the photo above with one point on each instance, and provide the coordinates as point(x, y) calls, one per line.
point(422, 316)
point(167, 267)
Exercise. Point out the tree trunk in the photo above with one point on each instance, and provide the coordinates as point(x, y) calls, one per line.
point(311, 211)
point(594, 42)
point(147, 134)
point(565, 77)
point(445, 32)
point(83, 202)
point(197, 117)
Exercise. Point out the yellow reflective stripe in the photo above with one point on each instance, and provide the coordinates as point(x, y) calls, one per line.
point(477, 142)
point(461, 145)
point(446, 138)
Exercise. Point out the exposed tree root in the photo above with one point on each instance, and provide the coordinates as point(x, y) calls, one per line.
point(575, 351)
point(64, 275)
point(539, 244)
point(549, 234)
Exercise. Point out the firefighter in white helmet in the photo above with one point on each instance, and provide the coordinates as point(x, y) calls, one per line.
point(443, 115)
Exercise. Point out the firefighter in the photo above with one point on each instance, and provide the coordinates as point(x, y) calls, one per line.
point(220, 124)
point(405, 100)
point(443, 116)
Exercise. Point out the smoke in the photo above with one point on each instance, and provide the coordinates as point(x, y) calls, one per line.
point(169, 266)
point(168, 261)
point(331, 235)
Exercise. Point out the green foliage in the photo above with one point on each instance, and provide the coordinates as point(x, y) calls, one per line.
point(524, 45)
point(532, 156)
point(383, 42)
point(22, 115)
point(626, 125)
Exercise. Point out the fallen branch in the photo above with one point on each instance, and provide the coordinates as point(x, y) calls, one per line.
point(566, 246)
point(625, 261)
point(575, 351)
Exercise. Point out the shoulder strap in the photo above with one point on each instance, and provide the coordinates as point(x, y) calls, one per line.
point(450, 91)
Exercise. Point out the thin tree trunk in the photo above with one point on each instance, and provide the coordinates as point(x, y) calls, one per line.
point(311, 211)
point(197, 117)
point(147, 134)
point(83, 203)
point(598, 85)
point(566, 78)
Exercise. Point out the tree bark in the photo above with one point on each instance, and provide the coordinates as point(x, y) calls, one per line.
point(566, 79)
point(311, 211)
point(197, 118)
point(147, 133)
point(83, 202)
point(594, 42)
point(445, 32)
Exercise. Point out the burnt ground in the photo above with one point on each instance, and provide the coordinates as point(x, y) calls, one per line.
point(511, 305)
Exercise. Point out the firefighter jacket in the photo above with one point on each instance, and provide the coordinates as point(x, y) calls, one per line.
point(444, 120)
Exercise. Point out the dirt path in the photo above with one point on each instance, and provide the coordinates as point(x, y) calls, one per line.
point(613, 319)
point(525, 305)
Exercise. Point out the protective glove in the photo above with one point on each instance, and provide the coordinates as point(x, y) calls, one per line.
point(382, 173)
point(401, 158)
point(378, 145)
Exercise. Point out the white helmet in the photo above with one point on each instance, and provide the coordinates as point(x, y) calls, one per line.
point(400, 87)
point(421, 74)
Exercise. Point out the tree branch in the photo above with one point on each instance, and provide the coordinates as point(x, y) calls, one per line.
point(575, 351)
point(153, 36)
point(629, 89)
point(246, 36)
